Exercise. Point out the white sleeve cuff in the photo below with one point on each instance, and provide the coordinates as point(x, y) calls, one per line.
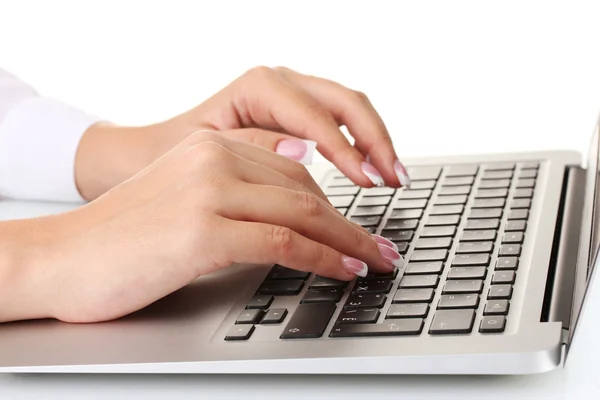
point(39, 138)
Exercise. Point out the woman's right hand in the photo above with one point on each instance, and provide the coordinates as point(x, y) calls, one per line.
point(208, 203)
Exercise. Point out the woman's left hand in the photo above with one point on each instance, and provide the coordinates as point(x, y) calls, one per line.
point(275, 108)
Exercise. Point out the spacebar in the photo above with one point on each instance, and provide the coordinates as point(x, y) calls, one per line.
point(309, 321)
point(409, 326)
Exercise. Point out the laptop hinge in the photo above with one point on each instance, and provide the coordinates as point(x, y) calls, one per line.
point(563, 261)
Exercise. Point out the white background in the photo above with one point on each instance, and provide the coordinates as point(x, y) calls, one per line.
point(448, 77)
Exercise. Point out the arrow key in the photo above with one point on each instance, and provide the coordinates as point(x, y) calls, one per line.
point(240, 332)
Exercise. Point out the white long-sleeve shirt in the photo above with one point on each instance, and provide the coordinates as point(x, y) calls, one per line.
point(39, 137)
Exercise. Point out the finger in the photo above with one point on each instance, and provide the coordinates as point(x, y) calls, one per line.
point(291, 174)
point(260, 243)
point(307, 215)
point(288, 146)
point(354, 110)
point(265, 99)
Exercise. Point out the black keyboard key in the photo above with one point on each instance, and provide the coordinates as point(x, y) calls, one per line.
point(274, 316)
point(503, 277)
point(366, 211)
point(413, 296)
point(260, 301)
point(454, 190)
point(494, 183)
point(479, 213)
point(408, 204)
point(447, 200)
point(398, 236)
point(491, 193)
point(341, 191)
point(440, 220)
point(471, 259)
point(378, 191)
point(496, 307)
point(518, 214)
point(429, 255)
point(462, 170)
point(280, 273)
point(387, 275)
point(359, 316)
point(434, 243)
point(308, 321)
point(419, 281)
point(497, 292)
point(498, 166)
point(410, 310)
point(287, 287)
point(507, 263)
point(373, 220)
point(492, 324)
point(341, 201)
point(250, 316)
point(240, 332)
point(402, 247)
point(414, 194)
point(523, 193)
point(487, 223)
point(406, 214)
point(459, 181)
point(407, 224)
point(414, 185)
point(513, 237)
point(467, 273)
point(447, 210)
point(367, 300)
point(520, 203)
point(452, 321)
point(321, 282)
point(472, 236)
point(455, 301)
point(375, 201)
point(510, 250)
point(475, 247)
point(373, 286)
point(322, 296)
point(488, 203)
point(408, 326)
point(525, 183)
point(424, 268)
point(462, 286)
point(530, 165)
point(515, 226)
point(424, 173)
point(497, 175)
point(438, 231)
point(528, 173)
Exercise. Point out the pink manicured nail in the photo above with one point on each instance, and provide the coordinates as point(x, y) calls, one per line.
point(354, 266)
point(401, 174)
point(385, 242)
point(372, 173)
point(390, 255)
point(297, 149)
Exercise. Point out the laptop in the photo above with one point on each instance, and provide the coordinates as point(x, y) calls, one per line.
point(499, 252)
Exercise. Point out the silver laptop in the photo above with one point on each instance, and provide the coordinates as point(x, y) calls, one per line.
point(498, 252)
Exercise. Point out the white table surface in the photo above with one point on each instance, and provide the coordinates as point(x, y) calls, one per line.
point(448, 78)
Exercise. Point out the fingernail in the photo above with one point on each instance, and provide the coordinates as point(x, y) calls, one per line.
point(372, 173)
point(401, 174)
point(297, 149)
point(385, 242)
point(391, 255)
point(354, 266)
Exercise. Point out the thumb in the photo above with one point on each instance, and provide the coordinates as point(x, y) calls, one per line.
point(300, 150)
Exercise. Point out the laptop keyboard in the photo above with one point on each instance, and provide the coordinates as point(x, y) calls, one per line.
point(461, 229)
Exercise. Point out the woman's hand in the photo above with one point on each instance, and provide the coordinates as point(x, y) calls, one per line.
point(278, 109)
point(209, 202)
